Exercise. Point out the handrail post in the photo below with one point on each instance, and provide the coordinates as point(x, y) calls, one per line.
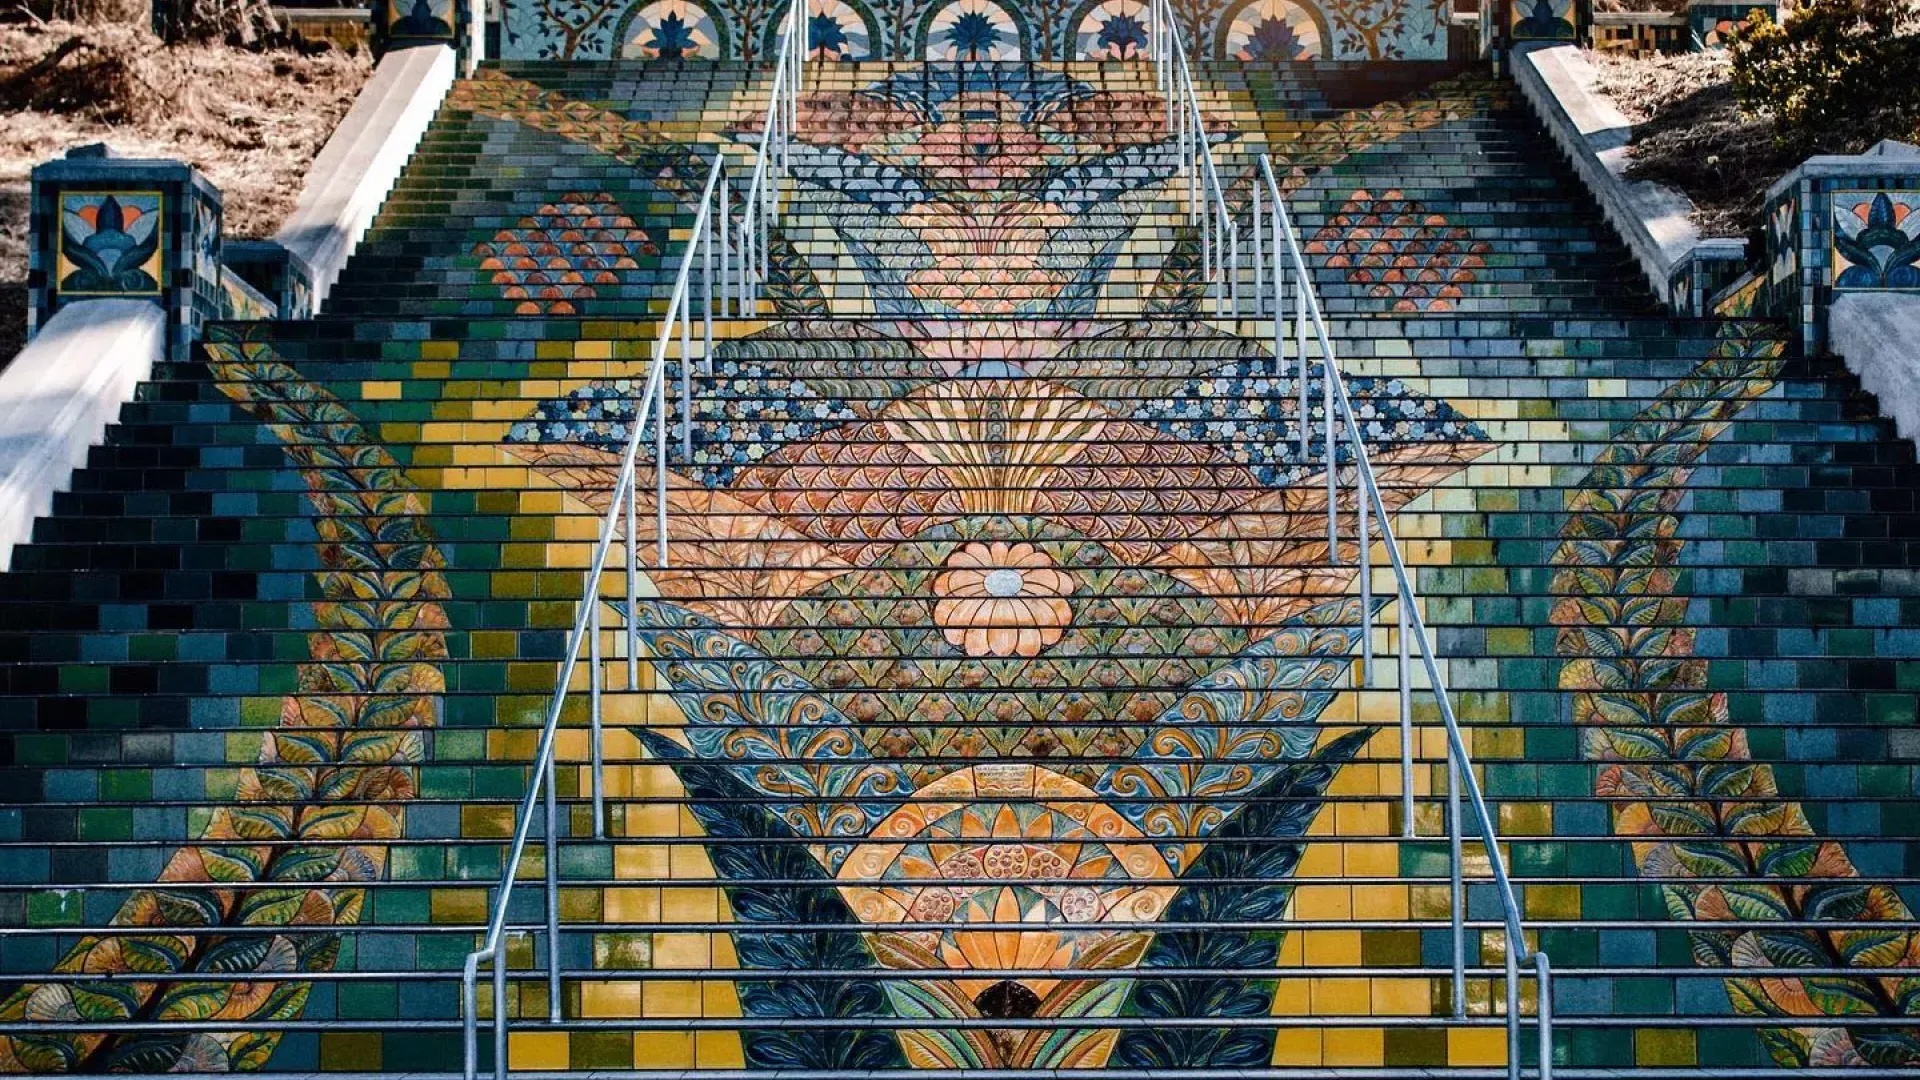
point(1253, 229)
point(660, 458)
point(633, 571)
point(500, 1011)
point(1543, 1011)
point(686, 381)
point(1457, 905)
point(1366, 576)
point(593, 708)
point(1463, 788)
point(1331, 458)
point(553, 892)
point(1404, 679)
point(469, 1017)
point(1513, 1009)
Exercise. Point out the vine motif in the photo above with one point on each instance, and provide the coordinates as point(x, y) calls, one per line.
point(1706, 818)
point(339, 767)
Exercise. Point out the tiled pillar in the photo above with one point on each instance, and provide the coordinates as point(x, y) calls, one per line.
point(1564, 21)
point(398, 24)
point(278, 274)
point(1840, 224)
point(103, 226)
point(1709, 21)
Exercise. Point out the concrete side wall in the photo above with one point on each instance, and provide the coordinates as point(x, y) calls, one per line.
point(1878, 335)
point(1652, 219)
point(357, 168)
point(59, 395)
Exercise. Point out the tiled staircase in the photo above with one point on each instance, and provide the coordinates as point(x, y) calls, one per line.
point(999, 606)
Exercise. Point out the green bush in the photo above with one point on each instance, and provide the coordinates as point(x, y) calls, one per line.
point(1838, 71)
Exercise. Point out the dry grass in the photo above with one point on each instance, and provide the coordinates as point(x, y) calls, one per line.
point(251, 121)
point(1690, 134)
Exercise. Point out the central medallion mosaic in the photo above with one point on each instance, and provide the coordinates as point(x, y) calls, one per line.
point(1005, 620)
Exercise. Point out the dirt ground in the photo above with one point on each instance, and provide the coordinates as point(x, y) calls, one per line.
point(251, 121)
point(1690, 134)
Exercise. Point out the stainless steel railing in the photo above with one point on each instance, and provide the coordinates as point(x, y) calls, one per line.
point(1340, 421)
point(733, 263)
point(1206, 199)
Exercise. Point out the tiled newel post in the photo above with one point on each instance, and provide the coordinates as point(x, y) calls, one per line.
point(1709, 22)
point(1561, 21)
point(108, 227)
point(398, 24)
point(1842, 224)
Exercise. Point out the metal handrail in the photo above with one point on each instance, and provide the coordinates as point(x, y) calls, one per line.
point(1206, 197)
point(1412, 628)
point(741, 253)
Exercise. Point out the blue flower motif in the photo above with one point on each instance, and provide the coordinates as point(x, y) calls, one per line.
point(972, 34)
point(1274, 39)
point(1544, 21)
point(826, 36)
point(1123, 34)
point(110, 253)
point(1883, 248)
point(673, 39)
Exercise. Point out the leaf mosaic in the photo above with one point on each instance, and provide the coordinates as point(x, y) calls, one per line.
point(1707, 820)
point(312, 815)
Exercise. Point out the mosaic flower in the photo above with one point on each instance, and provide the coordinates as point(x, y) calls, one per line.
point(1876, 240)
point(110, 245)
point(1548, 19)
point(1113, 30)
point(1000, 599)
point(971, 35)
point(1271, 31)
point(1123, 34)
point(825, 37)
point(972, 30)
point(1275, 40)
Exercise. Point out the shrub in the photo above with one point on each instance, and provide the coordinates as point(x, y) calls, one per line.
point(1839, 70)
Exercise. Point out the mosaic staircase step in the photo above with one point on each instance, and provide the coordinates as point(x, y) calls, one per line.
point(1023, 569)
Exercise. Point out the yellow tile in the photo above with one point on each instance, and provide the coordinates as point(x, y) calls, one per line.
point(537, 1050)
point(1313, 903)
point(610, 999)
point(632, 905)
point(1362, 1046)
point(1332, 948)
point(1291, 997)
point(595, 350)
point(439, 350)
point(1477, 1046)
point(689, 951)
point(639, 861)
point(719, 998)
point(653, 819)
point(663, 1050)
point(671, 999)
point(1341, 997)
point(1296, 1047)
point(1402, 997)
point(1382, 902)
point(689, 905)
point(380, 391)
point(718, 1050)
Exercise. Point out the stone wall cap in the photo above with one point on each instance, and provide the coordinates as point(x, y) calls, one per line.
point(1888, 157)
point(103, 165)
